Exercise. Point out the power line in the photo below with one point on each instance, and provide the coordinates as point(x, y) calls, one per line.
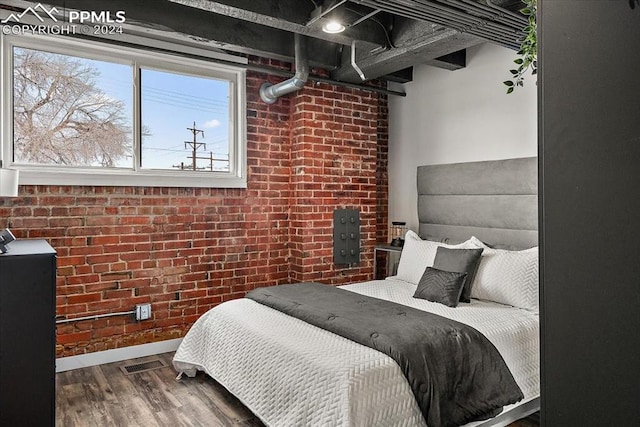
point(195, 146)
point(182, 105)
point(166, 92)
point(187, 99)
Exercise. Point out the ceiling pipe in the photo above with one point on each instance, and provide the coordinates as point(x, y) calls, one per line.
point(415, 11)
point(354, 64)
point(518, 17)
point(464, 14)
point(503, 29)
point(493, 12)
point(451, 19)
point(270, 92)
point(364, 18)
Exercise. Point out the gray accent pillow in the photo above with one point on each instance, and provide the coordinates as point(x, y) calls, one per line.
point(459, 261)
point(440, 286)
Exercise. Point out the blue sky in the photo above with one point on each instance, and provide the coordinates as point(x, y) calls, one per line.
point(171, 103)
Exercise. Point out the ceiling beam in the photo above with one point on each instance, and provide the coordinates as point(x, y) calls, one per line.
point(165, 20)
point(415, 43)
point(402, 76)
point(452, 61)
point(293, 16)
point(265, 28)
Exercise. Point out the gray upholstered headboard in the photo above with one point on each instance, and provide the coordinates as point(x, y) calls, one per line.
point(496, 201)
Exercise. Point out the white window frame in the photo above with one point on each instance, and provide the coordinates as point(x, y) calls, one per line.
point(236, 177)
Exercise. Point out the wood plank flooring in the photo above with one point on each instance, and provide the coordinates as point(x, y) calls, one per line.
point(104, 396)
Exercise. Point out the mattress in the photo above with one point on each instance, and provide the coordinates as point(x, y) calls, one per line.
point(290, 373)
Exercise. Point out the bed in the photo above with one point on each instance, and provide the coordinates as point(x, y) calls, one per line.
point(290, 373)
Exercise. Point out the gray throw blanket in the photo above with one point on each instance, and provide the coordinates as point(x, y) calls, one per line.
point(455, 373)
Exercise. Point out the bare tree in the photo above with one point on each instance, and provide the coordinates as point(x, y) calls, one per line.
point(61, 117)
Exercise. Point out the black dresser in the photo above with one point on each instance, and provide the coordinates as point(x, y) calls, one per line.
point(27, 334)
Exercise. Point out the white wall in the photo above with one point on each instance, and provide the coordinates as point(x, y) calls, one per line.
point(457, 116)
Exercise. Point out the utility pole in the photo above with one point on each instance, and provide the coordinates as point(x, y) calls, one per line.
point(194, 145)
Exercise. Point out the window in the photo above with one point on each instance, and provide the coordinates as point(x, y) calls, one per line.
point(80, 112)
point(203, 101)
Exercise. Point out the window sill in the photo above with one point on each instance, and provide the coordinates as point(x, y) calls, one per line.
point(120, 178)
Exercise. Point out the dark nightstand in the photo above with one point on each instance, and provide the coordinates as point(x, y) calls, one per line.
point(392, 259)
point(27, 334)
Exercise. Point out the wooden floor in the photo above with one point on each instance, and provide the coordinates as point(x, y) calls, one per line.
point(104, 396)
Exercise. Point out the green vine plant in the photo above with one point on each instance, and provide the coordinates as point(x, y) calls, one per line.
point(528, 53)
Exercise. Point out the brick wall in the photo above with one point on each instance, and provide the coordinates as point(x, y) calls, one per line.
point(334, 163)
point(186, 250)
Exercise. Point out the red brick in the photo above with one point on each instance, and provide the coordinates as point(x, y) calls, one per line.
point(104, 240)
point(77, 260)
point(82, 298)
point(104, 305)
point(73, 337)
point(311, 152)
point(108, 331)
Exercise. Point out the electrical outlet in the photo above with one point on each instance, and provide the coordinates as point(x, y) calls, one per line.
point(143, 311)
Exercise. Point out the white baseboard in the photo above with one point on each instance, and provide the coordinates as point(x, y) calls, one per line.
point(116, 355)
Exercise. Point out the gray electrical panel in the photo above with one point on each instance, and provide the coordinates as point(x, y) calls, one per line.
point(346, 236)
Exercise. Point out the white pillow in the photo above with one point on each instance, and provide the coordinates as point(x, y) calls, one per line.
point(477, 242)
point(508, 277)
point(417, 255)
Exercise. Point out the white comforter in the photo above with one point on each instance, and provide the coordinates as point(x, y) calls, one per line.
point(290, 373)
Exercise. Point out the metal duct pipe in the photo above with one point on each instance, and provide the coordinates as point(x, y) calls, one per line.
point(270, 93)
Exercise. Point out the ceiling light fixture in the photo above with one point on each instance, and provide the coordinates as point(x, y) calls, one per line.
point(333, 27)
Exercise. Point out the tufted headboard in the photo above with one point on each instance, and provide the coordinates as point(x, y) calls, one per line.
point(496, 201)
